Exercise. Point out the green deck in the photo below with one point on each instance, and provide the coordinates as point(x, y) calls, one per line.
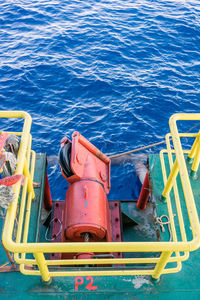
point(184, 284)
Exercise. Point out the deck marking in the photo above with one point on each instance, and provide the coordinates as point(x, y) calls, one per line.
point(90, 285)
point(78, 281)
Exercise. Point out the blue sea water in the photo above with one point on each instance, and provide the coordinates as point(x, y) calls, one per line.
point(113, 70)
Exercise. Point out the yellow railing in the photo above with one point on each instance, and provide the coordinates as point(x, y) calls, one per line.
point(168, 253)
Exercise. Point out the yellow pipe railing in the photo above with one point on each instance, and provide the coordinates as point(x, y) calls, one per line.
point(170, 250)
point(196, 161)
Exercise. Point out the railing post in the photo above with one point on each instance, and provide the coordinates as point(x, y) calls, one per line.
point(193, 149)
point(161, 265)
point(195, 164)
point(169, 184)
point(30, 182)
point(42, 266)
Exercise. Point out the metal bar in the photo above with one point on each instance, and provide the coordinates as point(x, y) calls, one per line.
point(21, 211)
point(11, 212)
point(164, 258)
point(178, 209)
point(29, 203)
point(105, 261)
point(30, 182)
point(190, 203)
point(194, 146)
point(171, 217)
point(195, 164)
point(28, 152)
point(24, 191)
point(101, 272)
point(22, 207)
point(41, 198)
point(100, 247)
point(169, 183)
point(44, 272)
point(176, 194)
point(144, 194)
point(91, 273)
point(169, 205)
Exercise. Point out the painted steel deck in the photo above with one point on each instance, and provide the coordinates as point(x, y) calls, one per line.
point(144, 228)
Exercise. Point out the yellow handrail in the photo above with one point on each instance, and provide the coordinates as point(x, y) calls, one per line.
point(170, 250)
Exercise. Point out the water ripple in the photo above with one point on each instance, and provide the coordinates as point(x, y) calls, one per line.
point(115, 71)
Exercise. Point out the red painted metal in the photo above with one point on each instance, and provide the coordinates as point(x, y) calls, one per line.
point(116, 225)
point(58, 207)
point(47, 194)
point(82, 150)
point(144, 194)
point(86, 207)
point(85, 211)
point(83, 255)
point(85, 214)
point(116, 235)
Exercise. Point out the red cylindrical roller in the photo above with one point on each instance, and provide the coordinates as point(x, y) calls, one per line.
point(85, 211)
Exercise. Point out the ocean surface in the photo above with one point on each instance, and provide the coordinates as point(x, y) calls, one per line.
point(113, 70)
